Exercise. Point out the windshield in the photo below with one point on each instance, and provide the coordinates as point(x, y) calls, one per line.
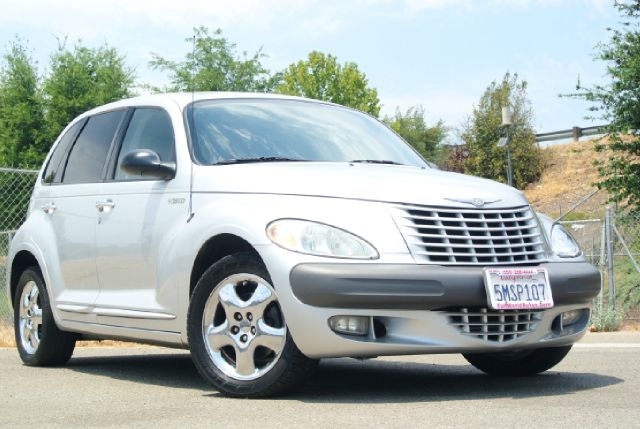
point(291, 130)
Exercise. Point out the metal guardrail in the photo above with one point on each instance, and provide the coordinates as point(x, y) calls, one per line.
point(573, 133)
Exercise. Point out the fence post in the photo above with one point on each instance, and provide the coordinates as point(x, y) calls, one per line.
point(608, 226)
point(601, 263)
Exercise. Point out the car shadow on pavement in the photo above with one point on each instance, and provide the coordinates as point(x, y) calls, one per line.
point(352, 381)
point(168, 370)
point(349, 381)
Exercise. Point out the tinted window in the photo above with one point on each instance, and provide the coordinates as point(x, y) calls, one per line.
point(148, 129)
point(89, 154)
point(247, 129)
point(53, 172)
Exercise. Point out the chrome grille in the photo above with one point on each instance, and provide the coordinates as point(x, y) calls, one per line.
point(494, 325)
point(453, 236)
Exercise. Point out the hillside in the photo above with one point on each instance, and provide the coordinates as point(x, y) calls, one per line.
point(569, 176)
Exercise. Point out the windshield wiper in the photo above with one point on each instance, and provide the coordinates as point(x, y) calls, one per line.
point(376, 161)
point(258, 159)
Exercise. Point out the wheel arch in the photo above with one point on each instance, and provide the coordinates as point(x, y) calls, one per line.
point(21, 261)
point(216, 248)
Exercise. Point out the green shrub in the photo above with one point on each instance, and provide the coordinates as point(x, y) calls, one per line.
point(606, 320)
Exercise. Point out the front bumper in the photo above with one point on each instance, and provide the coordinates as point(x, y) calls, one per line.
point(424, 287)
point(414, 304)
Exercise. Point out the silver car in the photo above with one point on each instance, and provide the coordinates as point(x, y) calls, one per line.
point(264, 233)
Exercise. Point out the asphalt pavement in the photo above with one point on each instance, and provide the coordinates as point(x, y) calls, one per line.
point(597, 385)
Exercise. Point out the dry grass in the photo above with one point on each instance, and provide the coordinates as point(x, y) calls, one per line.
point(570, 175)
point(630, 325)
point(7, 339)
point(110, 343)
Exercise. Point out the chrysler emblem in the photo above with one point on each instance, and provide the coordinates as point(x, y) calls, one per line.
point(477, 202)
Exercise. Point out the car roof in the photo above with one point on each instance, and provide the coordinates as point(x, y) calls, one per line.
point(184, 98)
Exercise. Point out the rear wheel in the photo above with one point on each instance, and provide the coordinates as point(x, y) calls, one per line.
point(39, 341)
point(237, 332)
point(517, 363)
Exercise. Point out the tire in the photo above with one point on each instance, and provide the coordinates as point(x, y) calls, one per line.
point(519, 363)
point(39, 341)
point(237, 334)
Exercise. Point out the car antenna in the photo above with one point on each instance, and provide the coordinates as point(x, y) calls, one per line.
point(193, 106)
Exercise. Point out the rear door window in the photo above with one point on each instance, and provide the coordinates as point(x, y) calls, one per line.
point(89, 153)
point(53, 171)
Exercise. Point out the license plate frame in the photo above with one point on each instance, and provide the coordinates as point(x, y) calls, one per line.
point(518, 288)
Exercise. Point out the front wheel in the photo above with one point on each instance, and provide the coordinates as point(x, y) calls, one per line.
point(518, 363)
point(237, 332)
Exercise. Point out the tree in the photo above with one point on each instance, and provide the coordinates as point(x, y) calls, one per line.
point(619, 104)
point(81, 79)
point(212, 65)
point(21, 126)
point(413, 127)
point(21, 110)
point(321, 77)
point(454, 158)
point(483, 130)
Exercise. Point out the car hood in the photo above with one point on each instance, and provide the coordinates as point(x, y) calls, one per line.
point(374, 182)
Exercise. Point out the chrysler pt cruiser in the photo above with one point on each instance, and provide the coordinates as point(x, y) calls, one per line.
point(264, 233)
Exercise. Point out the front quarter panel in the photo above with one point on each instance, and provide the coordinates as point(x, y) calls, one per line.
point(247, 216)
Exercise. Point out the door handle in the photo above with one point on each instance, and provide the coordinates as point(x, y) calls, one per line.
point(105, 206)
point(48, 208)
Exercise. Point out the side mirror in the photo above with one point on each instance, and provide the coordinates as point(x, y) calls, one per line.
point(145, 162)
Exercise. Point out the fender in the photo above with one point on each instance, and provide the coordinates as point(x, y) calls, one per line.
point(30, 239)
point(35, 250)
point(190, 241)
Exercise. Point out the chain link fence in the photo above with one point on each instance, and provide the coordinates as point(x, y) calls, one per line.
point(15, 192)
point(609, 238)
point(626, 263)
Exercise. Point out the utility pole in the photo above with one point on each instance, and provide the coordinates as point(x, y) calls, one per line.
point(506, 141)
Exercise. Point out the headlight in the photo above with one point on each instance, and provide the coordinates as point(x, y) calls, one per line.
point(318, 239)
point(562, 243)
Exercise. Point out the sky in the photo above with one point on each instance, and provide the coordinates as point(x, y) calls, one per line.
point(441, 54)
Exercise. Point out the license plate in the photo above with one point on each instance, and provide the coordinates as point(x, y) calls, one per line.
point(517, 288)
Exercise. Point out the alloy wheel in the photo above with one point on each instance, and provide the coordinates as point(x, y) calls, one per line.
point(243, 327)
point(30, 322)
